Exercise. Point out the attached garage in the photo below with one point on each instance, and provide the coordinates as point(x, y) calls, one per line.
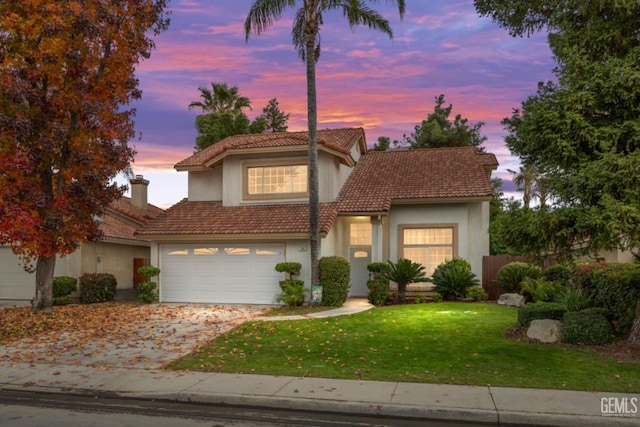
point(217, 273)
point(15, 283)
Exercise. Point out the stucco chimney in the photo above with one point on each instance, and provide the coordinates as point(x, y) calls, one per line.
point(139, 192)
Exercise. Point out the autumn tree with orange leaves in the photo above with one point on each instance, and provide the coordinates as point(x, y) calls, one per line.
point(66, 79)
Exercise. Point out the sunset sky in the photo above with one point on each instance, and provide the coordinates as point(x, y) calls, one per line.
point(364, 79)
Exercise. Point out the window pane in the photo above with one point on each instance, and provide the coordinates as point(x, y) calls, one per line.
point(179, 252)
point(436, 257)
point(428, 236)
point(205, 251)
point(360, 234)
point(418, 255)
point(277, 179)
point(237, 251)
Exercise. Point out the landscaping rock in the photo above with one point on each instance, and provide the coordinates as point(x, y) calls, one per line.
point(513, 300)
point(545, 330)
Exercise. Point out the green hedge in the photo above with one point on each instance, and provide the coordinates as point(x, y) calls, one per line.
point(615, 288)
point(540, 310)
point(97, 288)
point(587, 327)
point(335, 278)
point(63, 286)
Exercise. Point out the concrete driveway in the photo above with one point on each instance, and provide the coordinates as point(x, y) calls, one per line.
point(167, 332)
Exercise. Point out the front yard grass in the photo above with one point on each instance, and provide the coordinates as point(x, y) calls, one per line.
point(453, 343)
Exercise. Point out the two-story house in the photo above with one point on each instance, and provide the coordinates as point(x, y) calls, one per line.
point(247, 210)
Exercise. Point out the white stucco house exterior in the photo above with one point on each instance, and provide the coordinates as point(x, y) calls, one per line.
point(247, 210)
point(119, 252)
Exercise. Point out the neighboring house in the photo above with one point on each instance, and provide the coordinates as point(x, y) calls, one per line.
point(118, 253)
point(247, 210)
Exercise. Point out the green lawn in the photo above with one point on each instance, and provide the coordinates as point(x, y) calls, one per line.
point(454, 343)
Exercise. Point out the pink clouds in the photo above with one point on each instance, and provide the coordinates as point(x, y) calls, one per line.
point(363, 78)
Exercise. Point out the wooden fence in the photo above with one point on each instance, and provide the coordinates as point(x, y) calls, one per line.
point(492, 264)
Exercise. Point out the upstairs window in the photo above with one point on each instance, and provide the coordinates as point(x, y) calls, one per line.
point(275, 181)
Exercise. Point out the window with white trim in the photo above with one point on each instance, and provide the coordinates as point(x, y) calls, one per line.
point(429, 246)
point(268, 180)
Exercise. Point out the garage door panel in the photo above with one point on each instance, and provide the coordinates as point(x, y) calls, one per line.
point(213, 273)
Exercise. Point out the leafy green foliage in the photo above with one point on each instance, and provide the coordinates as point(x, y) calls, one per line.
point(291, 268)
point(439, 131)
point(436, 297)
point(580, 131)
point(148, 290)
point(476, 293)
point(335, 277)
point(403, 273)
point(293, 292)
point(97, 288)
point(64, 285)
point(540, 290)
point(379, 283)
point(510, 276)
point(540, 310)
point(274, 119)
point(67, 83)
point(452, 278)
point(615, 287)
point(378, 291)
point(561, 273)
point(574, 298)
point(587, 328)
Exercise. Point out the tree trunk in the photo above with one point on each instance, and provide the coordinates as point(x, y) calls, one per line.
point(314, 196)
point(43, 302)
point(634, 336)
point(402, 292)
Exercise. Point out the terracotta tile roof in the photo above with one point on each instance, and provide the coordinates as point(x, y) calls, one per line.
point(340, 140)
point(380, 178)
point(211, 218)
point(116, 227)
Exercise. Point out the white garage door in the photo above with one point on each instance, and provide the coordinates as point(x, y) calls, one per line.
point(212, 273)
point(15, 283)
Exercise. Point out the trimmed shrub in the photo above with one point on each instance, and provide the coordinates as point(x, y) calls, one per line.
point(587, 327)
point(63, 286)
point(540, 310)
point(615, 288)
point(291, 268)
point(561, 273)
point(148, 290)
point(436, 297)
point(378, 291)
point(420, 299)
point(379, 283)
point(97, 288)
point(476, 293)
point(510, 276)
point(335, 278)
point(452, 278)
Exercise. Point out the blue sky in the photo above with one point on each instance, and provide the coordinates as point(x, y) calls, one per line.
point(364, 79)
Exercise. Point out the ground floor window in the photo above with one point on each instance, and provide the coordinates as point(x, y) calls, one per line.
point(428, 245)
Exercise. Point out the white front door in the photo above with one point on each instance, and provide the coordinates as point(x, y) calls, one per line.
point(214, 273)
point(359, 258)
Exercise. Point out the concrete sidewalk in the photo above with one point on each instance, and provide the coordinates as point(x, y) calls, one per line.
point(494, 405)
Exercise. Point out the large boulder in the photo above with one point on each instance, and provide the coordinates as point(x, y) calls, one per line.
point(545, 330)
point(512, 300)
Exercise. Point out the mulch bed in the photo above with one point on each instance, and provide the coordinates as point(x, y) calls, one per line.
point(620, 350)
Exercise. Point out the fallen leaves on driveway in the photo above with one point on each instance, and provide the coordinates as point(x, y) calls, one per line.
point(115, 334)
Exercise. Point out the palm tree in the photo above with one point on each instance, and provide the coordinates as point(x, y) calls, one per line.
point(404, 273)
point(222, 98)
point(306, 39)
point(525, 180)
